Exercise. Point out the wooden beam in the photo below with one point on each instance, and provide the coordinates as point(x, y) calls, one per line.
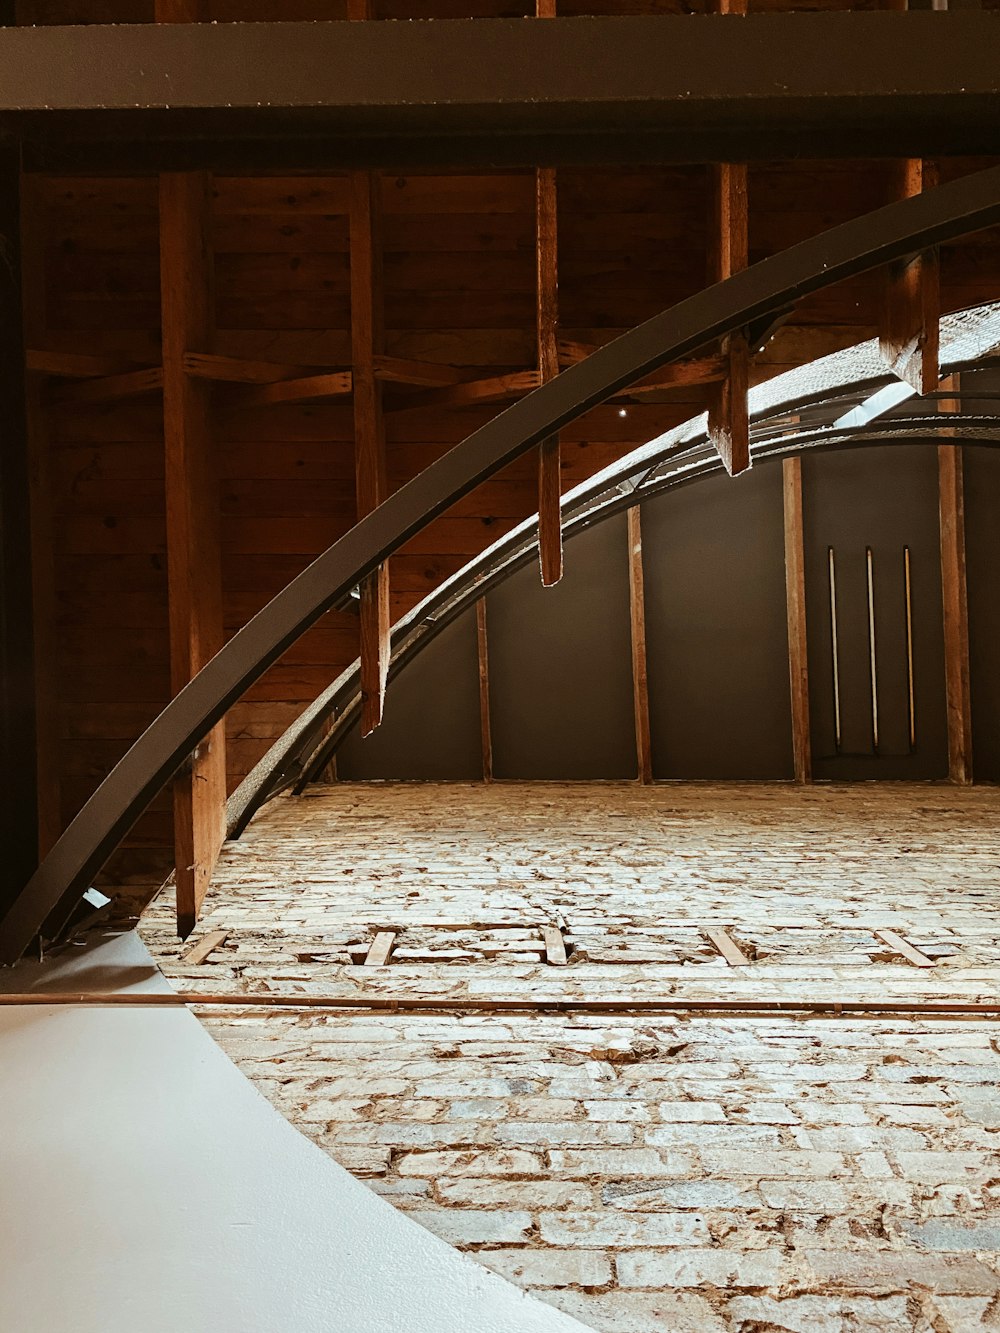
point(79, 365)
point(381, 949)
point(397, 370)
point(909, 334)
point(637, 615)
point(110, 387)
point(238, 370)
point(693, 370)
point(728, 948)
point(795, 610)
point(555, 946)
point(493, 390)
point(483, 654)
point(48, 687)
point(550, 548)
point(192, 499)
point(371, 478)
point(954, 598)
point(337, 384)
point(728, 416)
point(199, 952)
point(19, 833)
point(904, 948)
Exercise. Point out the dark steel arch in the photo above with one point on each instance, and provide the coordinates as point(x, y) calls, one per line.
point(299, 756)
point(818, 394)
point(889, 233)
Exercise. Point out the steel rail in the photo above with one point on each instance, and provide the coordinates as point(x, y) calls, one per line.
point(541, 1004)
point(956, 209)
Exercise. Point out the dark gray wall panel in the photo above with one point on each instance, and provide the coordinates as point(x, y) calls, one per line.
point(982, 544)
point(885, 498)
point(716, 629)
point(431, 726)
point(560, 665)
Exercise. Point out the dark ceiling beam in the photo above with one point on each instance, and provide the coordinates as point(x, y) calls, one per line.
point(697, 87)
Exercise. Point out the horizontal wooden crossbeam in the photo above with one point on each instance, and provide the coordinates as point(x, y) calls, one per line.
point(110, 387)
point(335, 385)
point(238, 370)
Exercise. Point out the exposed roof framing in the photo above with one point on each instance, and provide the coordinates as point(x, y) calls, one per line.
point(504, 91)
point(757, 293)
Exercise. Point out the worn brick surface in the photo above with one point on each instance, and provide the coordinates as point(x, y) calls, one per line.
point(643, 1172)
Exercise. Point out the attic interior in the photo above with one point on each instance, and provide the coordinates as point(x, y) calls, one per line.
point(501, 660)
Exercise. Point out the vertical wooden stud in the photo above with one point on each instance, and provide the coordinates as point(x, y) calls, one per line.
point(483, 653)
point(958, 694)
point(371, 474)
point(795, 604)
point(47, 692)
point(909, 330)
point(550, 548)
point(192, 501)
point(728, 417)
point(637, 615)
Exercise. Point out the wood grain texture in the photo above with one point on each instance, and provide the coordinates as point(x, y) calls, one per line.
point(909, 330)
point(371, 479)
point(550, 551)
point(192, 523)
point(637, 620)
point(728, 416)
point(483, 659)
point(955, 606)
point(795, 605)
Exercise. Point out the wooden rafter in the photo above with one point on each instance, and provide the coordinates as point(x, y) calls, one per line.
point(338, 384)
point(637, 615)
point(110, 387)
point(909, 332)
point(496, 389)
point(954, 597)
point(550, 550)
point(239, 370)
point(397, 370)
point(192, 499)
point(78, 365)
point(795, 610)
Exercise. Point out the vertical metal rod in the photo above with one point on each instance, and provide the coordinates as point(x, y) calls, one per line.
point(907, 581)
point(871, 645)
point(835, 650)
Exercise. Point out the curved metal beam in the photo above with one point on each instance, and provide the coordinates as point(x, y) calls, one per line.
point(889, 233)
point(816, 394)
point(300, 754)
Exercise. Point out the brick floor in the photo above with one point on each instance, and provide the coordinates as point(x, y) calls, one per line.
point(643, 1172)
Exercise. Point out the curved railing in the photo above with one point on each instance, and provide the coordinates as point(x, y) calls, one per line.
point(790, 413)
point(746, 299)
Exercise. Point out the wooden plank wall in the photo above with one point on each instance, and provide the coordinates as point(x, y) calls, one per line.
point(460, 289)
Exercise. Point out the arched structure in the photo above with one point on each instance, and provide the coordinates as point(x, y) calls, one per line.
point(803, 409)
point(748, 300)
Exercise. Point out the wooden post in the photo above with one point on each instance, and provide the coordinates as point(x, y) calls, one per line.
point(47, 691)
point(728, 418)
point(18, 756)
point(637, 614)
point(958, 696)
point(483, 653)
point(909, 331)
point(550, 549)
point(795, 603)
point(192, 497)
point(371, 475)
